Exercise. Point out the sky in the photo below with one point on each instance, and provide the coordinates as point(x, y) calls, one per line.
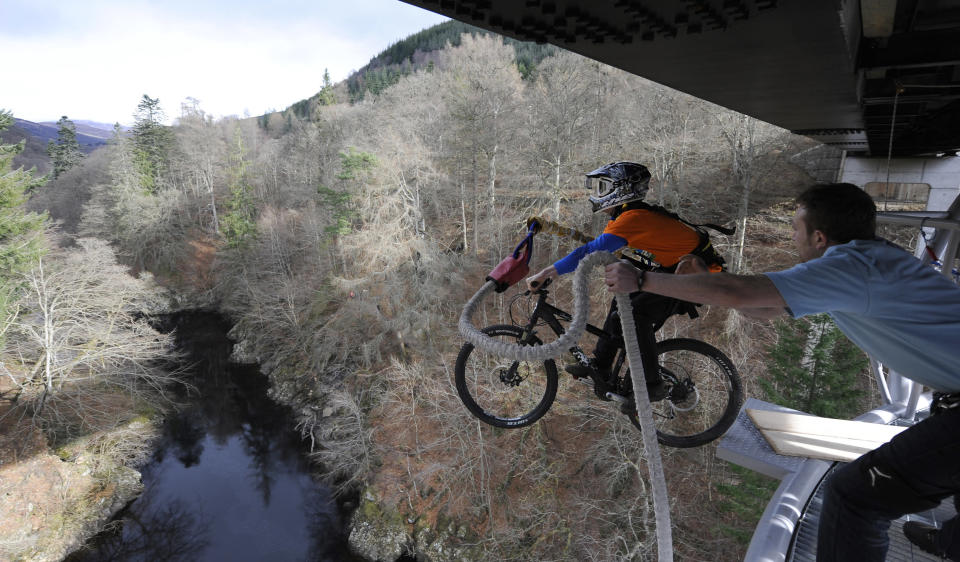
point(95, 59)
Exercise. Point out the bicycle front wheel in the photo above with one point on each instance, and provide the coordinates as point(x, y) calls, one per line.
point(503, 392)
point(705, 393)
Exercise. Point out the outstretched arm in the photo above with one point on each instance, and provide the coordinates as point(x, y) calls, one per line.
point(605, 242)
point(536, 280)
point(755, 295)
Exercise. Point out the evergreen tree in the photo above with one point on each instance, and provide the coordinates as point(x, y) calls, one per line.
point(117, 135)
point(354, 167)
point(65, 153)
point(152, 142)
point(20, 231)
point(814, 367)
point(239, 224)
point(326, 97)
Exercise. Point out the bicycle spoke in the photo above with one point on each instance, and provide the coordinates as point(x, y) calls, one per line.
point(503, 392)
point(705, 394)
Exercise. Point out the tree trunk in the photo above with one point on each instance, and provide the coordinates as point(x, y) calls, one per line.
point(492, 172)
point(596, 117)
point(463, 214)
point(742, 225)
point(213, 208)
point(809, 359)
point(476, 206)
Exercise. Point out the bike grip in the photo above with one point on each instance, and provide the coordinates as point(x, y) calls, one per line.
point(541, 284)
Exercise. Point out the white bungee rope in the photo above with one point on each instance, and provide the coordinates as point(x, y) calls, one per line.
point(661, 504)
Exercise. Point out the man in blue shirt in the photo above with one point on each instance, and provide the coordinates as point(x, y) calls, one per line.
point(901, 312)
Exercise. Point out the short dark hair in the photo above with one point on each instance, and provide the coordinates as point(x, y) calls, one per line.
point(842, 211)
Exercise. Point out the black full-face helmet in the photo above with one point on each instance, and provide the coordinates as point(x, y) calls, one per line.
point(617, 183)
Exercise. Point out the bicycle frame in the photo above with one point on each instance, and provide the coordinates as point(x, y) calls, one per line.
point(704, 389)
point(552, 316)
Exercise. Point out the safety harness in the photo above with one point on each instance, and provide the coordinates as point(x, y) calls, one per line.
point(704, 249)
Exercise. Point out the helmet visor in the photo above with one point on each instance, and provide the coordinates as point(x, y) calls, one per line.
point(601, 186)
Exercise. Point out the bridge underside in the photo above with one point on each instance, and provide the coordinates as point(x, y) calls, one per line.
point(839, 71)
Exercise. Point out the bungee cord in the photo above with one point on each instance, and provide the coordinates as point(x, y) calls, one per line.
point(661, 502)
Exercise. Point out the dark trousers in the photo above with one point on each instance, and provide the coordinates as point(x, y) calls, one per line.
point(913, 472)
point(649, 312)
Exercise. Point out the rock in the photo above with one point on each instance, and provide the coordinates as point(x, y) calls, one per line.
point(243, 352)
point(376, 537)
point(379, 534)
point(87, 518)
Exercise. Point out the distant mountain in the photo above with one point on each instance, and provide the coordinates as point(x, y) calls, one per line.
point(90, 134)
point(93, 129)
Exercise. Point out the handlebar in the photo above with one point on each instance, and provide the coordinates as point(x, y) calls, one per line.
point(539, 286)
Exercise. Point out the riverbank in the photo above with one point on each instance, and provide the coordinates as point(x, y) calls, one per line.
point(56, 497)
point(228, 477)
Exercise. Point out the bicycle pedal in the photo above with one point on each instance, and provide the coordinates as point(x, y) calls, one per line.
point(579, 371)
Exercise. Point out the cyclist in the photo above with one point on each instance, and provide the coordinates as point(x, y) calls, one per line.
point(648, 236)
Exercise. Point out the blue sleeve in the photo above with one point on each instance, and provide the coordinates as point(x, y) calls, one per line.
point(832, 283)
point(606, 242)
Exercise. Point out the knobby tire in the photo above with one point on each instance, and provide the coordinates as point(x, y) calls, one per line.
point(711, 409)
point(520, 400)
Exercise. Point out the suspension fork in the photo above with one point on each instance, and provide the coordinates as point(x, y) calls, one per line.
point(528, 333)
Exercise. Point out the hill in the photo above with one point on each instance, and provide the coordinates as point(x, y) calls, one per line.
point(90, 134)
point(417, 51)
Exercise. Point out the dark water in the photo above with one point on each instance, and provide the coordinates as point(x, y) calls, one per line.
point(229, 479)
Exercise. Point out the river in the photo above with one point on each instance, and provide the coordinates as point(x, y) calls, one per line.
point(229, 478)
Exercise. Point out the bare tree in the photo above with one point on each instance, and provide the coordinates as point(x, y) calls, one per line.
point(671, 129)
point(751, 142)
point(199, 168)
point(79, 329)
point(561, 110)
point(482, 97)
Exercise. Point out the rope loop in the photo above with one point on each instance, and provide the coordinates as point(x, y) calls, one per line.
point(537, 352)
point(661, 503)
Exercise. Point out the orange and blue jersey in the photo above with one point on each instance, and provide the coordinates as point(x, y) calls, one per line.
point(661, 238)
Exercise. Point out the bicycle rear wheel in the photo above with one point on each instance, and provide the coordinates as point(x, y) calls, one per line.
point(503, 392)
point(705, 394)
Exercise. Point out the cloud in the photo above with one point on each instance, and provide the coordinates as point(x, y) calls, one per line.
point(233, 58)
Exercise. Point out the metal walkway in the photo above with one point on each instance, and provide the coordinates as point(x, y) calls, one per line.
point(787, 531)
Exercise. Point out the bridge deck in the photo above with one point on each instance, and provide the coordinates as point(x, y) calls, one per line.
point(787, 531)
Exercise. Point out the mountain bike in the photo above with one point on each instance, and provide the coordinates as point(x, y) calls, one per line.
point(704, 395)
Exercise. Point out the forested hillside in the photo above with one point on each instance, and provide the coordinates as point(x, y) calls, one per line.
point(36, 136)
point(343, 238)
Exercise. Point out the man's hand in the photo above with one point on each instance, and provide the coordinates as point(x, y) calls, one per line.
point(535, 281)
point(621, 277)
